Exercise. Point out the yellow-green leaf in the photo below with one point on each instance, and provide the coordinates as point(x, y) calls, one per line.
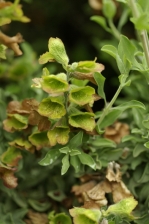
point(52, 107)
point(82, 95)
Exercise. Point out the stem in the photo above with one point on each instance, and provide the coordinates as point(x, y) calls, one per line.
point(106, 110)
point(66, 93)
point(144, 40)
point(114, 29)
point(142, 33)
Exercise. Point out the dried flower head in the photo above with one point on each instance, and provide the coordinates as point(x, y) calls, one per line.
point(116, 131)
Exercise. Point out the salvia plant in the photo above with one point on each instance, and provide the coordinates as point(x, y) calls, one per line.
point(58, 155)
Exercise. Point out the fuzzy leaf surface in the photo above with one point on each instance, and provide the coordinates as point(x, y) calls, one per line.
point(82, 95)
point(51, 156)
point(52, 107)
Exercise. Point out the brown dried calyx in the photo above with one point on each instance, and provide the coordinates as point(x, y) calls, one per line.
point(95, 4)
point(4, 4)
point(94, 193)
point(116, 131)
point(98, 4)
point(7, 175)
point(36, 218)
point(12, 42)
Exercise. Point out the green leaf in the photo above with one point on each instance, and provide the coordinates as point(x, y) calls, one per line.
point(82, 120)
point(88, 216)
point(54, 84)
point(100, 80)
point(57, 50)
point(76, 140)
point(58, 135)
point(82, 95)
point(86, 159)
point(115, 112)
point(56, 195)
point(101, 21)
point(109, 9)
point(65, 150)
point(123, 1)
point(131, 104)
point(126, 49)
point(113, 155)
point(75, 162)
point(143, 192)
point(139, 148)
point(51, 156)
point(144, 5)
point(60, 218)
point(103, 142)
point(65, 164)
point(3, 51)
point(141, 22)
point(52, 107)
point(109, 119)
point(44, 58)
point(123, 208)
point(124, 18)
point(74, 152)
point(39, 206)
point(146, 145)
point(145, 175)
point(145, 122)
point(124, 65)
point(39, 139)
point(110, 49)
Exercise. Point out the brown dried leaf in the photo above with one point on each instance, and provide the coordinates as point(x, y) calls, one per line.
point(37, 82)
point(120, 191)
point(97, 193)
point(24, 107)
point(116, 131)
point(113, 172)
point(12, 42)
point(34, 118)
point(96, 4)
point(37, 218)
point(94, 195)
point(44, 124)
point(30, 104)
point(91, 205)
point(27, 221)
point(4, 4)
point(8, 177)
point(78, 190)
point(13, 107)
point(88, 177)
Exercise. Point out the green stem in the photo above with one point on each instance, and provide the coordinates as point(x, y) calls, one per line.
point(142, 33)
point(114, 29)
point(66, 93)
point(144, 40)
point(106, 110)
